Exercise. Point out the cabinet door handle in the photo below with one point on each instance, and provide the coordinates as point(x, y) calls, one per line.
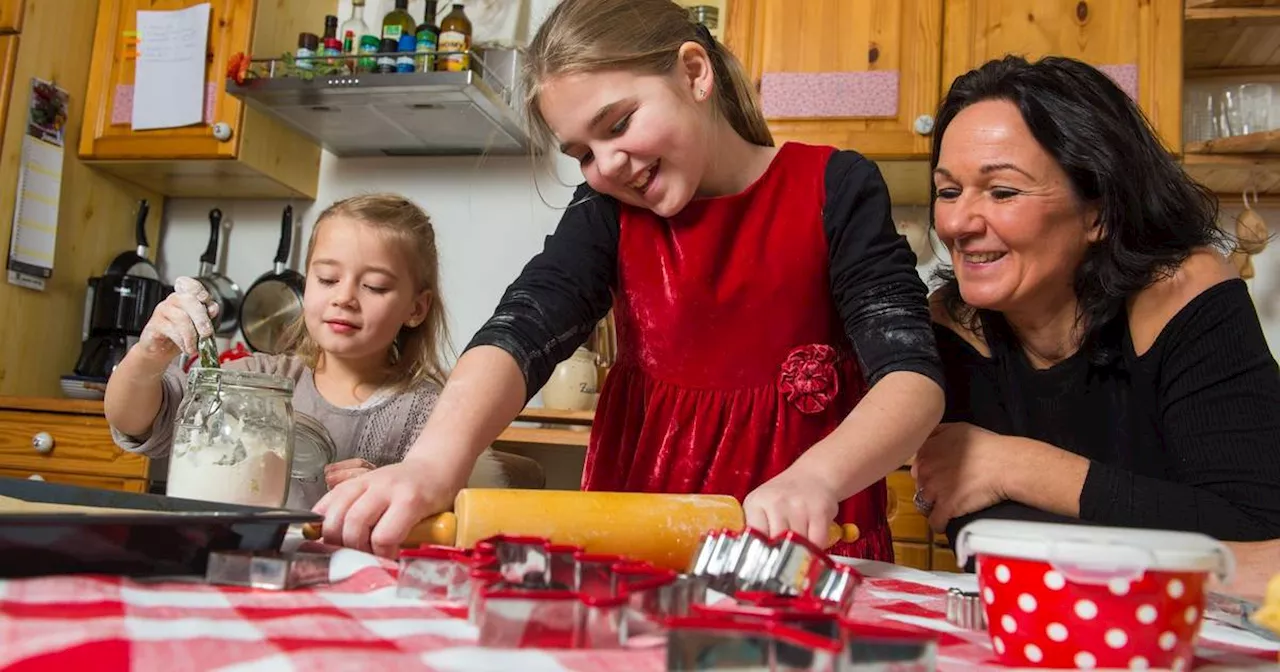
point(43, 443)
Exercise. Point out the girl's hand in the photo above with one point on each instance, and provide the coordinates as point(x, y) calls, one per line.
point(345, 470)
point(179, 322)
point(793, 500)
point(959, 470)
point(375, 512)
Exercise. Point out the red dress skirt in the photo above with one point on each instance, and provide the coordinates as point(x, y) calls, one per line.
point(733, 360)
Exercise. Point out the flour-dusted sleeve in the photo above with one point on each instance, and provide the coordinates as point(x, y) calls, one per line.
point(878, 293)
point(555, 303)
point(173, 388)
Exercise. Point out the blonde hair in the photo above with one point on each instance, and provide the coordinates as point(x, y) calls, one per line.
point(640, 36)
point(416, 354)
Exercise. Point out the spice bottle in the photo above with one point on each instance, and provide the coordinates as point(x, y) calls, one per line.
point(308, 45)
point(455, 37)
point(405, 54)
point(369, 46)
point(427, 39)
point(352, 32)
point(332, 45)
point(387, 57)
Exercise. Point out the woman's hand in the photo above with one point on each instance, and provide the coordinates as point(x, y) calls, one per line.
point(374, 512)
point(179, 322)
point(345, 470)
point(793, 500)
point(959, 470)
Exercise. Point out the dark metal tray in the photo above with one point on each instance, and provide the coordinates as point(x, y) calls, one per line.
point(175, 542)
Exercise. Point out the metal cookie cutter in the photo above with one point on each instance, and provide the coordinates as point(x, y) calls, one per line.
point(527, 592)
point(784, 634)
point(964, 610)
point(736, 562)
point(270, 570)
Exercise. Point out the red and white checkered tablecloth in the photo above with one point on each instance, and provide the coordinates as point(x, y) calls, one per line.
point(358, 623)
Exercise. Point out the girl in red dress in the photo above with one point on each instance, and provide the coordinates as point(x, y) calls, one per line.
point(774, 337)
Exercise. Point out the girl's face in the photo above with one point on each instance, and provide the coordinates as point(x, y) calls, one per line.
point(643, 139)
point(360, 292)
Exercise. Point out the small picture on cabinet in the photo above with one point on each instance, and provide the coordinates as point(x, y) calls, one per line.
point(47, 117)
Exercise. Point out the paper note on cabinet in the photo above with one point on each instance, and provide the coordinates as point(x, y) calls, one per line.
point(169, 86)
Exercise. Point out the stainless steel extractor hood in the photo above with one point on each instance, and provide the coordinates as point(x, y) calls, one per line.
point(408, 114)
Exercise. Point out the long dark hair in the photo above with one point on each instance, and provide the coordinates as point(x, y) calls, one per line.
point(1151, 214)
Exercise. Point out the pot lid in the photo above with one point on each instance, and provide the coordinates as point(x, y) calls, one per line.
point(1089, 549)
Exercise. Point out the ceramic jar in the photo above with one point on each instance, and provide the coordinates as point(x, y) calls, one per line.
point(572, 386)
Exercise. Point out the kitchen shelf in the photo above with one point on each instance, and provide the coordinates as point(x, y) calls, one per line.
point(409, 114)
point(556, 416)
point(1234, 173)
point(1231, 35)
point(541, 436)
point(1267, 142)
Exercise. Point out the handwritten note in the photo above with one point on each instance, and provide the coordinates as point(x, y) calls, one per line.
point(169, 83)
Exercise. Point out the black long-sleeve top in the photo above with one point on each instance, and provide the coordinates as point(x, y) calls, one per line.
point(562, 293)
point(1185, 436)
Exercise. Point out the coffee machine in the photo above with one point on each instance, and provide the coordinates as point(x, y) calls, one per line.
point(118, 305)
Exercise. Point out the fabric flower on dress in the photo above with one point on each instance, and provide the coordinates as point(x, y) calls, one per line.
point(808, 379)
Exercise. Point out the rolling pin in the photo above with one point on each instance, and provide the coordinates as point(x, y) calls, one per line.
point(663, 529)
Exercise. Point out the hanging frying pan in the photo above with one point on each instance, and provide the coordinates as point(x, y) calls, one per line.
point(219, 286)
point(135, 262)
point(275, 299)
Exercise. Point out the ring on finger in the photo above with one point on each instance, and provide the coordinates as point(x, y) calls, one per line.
point(922, 505)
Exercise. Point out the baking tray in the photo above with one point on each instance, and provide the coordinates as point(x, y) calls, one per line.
point(146, 535)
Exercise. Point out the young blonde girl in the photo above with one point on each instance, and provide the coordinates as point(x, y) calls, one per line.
point(774, 337)
point(365, 356)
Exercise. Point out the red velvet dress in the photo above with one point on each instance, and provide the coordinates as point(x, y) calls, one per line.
point(733, 359)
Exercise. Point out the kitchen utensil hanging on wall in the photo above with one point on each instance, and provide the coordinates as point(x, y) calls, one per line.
point(1251, 236)
point(135, 262)
point(275, 300)
point(219, 286)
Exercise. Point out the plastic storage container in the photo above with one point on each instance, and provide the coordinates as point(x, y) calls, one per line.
point(1077, 596)
point(233, 439)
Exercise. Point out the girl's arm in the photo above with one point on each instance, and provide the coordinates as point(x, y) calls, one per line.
point(885, 309)
point(549, 311)
point(885, 313)
point(135, 391)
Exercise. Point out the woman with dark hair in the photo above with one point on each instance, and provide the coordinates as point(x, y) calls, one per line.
point(1104, 363)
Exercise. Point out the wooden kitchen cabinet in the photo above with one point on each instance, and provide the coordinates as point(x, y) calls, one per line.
point(11, 16)
point(8, 60)
point(858, 46)
point(1137, 43)
point(855, 73)
point(261, 159)
point(65, 441)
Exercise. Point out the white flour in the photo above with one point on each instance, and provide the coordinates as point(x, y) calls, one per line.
point(239, 466)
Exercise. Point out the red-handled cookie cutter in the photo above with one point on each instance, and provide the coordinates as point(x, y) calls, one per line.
point(779, 599)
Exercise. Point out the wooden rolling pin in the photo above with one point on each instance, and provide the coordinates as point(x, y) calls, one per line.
point(663, 529)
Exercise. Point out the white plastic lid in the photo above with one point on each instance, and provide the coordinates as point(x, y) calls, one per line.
point(1088, 552)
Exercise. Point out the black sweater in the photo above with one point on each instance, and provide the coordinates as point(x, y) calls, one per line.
point(1184, 437)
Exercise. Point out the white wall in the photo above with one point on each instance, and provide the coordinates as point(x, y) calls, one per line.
point(489, 216)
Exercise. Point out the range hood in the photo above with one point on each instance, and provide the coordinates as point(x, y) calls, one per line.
point(401, 114)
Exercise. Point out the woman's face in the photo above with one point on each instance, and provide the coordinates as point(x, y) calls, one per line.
point(1007, 213)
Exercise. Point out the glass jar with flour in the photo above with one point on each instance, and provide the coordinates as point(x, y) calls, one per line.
point(233, 439)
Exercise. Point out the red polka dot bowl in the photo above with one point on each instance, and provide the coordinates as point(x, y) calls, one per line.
point(1084, 597)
